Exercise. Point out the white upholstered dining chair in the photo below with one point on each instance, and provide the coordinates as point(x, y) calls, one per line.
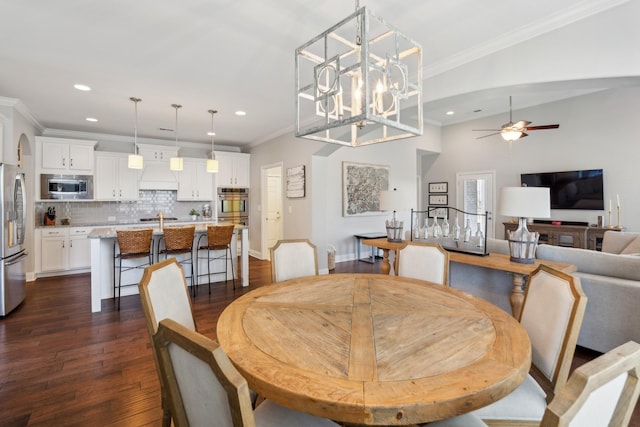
point(424, 261)
point(205, 389)
point(293, 258)
point(602, 392)
point(552, 315)
point(164, 295)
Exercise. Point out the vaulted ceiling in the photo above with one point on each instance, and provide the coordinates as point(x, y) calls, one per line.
point(239, 55)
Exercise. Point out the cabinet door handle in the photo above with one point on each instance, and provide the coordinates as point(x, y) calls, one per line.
point(63, 246)
point(63, 161)
point(70, 163)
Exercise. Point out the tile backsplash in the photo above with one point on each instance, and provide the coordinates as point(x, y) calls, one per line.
point(148, 205)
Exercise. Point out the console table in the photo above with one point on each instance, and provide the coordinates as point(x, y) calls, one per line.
point(494, 261)
point(374, 250)
point(572, 236)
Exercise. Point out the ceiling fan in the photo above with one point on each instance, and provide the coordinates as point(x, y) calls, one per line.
point(513, 131)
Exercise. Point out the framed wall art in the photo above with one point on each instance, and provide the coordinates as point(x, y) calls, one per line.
point(434, 211)
point(361, 187)
point(439, 199)
point(438, 187)
point(295, 182)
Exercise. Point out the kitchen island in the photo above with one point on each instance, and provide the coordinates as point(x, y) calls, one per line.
point(102, 250)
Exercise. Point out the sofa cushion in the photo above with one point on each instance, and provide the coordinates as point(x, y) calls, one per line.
point(615, 242)
point(593, 262)
point(633, 247)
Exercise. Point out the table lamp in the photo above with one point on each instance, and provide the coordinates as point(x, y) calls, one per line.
point(524, 202)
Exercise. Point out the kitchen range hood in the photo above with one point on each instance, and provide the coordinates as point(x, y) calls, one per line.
point(157, 176)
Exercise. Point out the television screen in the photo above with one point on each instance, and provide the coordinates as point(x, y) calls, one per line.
point(581, 189)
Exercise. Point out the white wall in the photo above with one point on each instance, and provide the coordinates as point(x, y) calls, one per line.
point(596, 131)
point(318, 216)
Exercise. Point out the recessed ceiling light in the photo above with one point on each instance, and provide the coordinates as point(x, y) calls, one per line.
point(82, 87)
point(91, 119)
point(241, 113)
point(450, 113)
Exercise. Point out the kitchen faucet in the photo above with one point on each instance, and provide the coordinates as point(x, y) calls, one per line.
point(161, 216)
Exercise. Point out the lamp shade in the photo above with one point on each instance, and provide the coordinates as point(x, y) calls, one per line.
point(176, 164)
point(525, 202)
point(135, 161)
point(212, 166)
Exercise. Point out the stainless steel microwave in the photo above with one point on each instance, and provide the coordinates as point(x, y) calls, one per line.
point(66, 187)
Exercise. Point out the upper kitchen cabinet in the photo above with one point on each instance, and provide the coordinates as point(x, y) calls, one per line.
point(64, 156)
point(156, 174)
point(113, 179)
point(194, 182)
point(233, 169)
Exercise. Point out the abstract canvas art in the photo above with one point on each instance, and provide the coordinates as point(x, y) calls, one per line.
point(361, 187)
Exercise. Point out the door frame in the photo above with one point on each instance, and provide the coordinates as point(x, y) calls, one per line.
point(264, 177)
point(460, 176)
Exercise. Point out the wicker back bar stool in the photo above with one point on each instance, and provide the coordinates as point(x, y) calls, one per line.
point(132, 245)
point(178, 243)
point(218, 240)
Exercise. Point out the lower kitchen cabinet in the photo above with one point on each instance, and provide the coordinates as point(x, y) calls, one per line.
point(64, 249)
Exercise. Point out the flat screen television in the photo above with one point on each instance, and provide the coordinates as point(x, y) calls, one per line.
point(581, 189)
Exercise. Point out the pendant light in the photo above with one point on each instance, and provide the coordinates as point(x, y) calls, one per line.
point(176, 163)
point(212, 163)
point(135, 160)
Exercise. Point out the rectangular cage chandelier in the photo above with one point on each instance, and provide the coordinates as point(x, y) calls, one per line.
point(359, 83)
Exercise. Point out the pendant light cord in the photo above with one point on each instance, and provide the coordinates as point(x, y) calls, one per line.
point(135, 125)
point(176, 106)
point(212, 112)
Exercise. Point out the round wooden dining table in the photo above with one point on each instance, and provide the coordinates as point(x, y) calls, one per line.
point(372, 349)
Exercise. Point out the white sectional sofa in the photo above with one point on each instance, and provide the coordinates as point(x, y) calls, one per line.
point(610, 279)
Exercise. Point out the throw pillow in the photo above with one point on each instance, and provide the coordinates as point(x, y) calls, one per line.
point(633, 247)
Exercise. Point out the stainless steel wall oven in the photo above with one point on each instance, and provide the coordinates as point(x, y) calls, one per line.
point(233, 205)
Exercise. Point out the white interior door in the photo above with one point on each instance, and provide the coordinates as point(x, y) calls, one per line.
point(271, 207)
point(476, 193)
point(274, 206)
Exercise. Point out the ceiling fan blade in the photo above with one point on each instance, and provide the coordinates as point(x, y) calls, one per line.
point(523, 135)
point(491, 134)
point(542, 127)
point(521, 124)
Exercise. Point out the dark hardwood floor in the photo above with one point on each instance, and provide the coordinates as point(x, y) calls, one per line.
point(60, 365)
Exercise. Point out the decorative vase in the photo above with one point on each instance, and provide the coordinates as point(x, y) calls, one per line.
point(456, 229)
point(467, 231)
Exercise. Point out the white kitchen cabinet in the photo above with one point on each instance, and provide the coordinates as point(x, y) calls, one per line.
point(194, 182)
point(64, 249)
point(65, 156)
point(233, 169)
point(54, 249)
point(113, 178)
point(79, 248)
point(156, 174)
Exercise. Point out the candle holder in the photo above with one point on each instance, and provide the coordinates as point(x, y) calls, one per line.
point(610, 223)
point(618, 226)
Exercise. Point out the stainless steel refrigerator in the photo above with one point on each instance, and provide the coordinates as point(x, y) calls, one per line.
point(13, 255)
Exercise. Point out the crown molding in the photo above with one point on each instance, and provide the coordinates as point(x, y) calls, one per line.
point(24, 111)
point(124, 139)
point(527, 32)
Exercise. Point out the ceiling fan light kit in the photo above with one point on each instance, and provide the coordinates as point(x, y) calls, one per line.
point(514, 131)
point(359, 83)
